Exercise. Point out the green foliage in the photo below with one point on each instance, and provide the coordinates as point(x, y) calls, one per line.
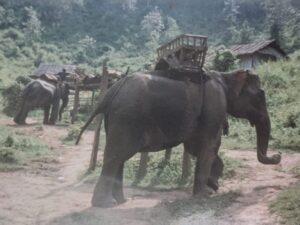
point(73, 132)
point(32, 26)
point(17, 149)
point(22, 80)
point(281, 82)
point(224, 60)
point(152, 25)
point(7, 155)
point(287, 205)
point(168, 174)
point(12, 99)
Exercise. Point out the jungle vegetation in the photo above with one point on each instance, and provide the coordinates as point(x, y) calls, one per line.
point(85, 32)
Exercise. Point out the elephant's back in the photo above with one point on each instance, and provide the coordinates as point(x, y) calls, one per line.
point(39, 88)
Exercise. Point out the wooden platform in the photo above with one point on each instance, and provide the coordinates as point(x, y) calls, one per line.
point(186, 51)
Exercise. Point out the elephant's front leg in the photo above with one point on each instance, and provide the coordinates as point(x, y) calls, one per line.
point(215, 173)
point(202, 171)
point(46, 114)
point(204, 149)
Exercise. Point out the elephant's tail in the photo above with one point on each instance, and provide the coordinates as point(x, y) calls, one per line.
point(104, 104)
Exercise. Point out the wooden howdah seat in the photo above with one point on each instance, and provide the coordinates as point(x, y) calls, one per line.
point(183, 58)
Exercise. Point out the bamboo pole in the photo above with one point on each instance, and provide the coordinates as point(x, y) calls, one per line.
point(76, 103)
point(99, 118)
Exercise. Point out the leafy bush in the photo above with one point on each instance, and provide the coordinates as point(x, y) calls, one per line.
point(73, 133)
point(224, 60)
point(7, 155)
point(23, 80)
point(17, 149)
point(12, 99)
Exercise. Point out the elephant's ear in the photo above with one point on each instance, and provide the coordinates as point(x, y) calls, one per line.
point(237, 81)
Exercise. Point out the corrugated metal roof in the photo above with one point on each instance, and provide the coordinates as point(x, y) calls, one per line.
point(53, 69)
point(248, 49)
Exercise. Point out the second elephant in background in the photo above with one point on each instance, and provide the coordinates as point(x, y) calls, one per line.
point(45, 95)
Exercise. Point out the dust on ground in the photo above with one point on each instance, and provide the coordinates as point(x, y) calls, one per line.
point(51, 192)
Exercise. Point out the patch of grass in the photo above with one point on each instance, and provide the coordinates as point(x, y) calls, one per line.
point(164, 175)
point(18, 149)
point(231, 166)
point(73, 132)
point(287, 205)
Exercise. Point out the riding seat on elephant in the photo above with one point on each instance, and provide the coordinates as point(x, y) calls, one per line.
point(45, 95)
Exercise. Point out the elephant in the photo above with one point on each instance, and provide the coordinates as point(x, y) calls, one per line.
point(45, 95)
point(148, 112)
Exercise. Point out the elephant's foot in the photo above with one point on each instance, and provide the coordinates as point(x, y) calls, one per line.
point(212, 183)
point(103, 202)
point(20, 122)
point(204, 191)
point(120, 198)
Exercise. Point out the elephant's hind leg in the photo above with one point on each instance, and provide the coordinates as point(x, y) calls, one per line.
point(120, 147)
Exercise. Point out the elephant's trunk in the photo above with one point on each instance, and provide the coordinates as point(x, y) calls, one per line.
point(263, 128)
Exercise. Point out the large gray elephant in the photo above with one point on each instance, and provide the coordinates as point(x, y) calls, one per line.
point(45, 95)
point(150, 113)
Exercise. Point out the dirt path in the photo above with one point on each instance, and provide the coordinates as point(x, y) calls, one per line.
point(50, 192)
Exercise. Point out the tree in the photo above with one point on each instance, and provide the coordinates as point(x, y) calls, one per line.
point(246, 33)
point(224, 60)
point(32, 26)
point(152, 25)
point(282, 19)
point(171, 29)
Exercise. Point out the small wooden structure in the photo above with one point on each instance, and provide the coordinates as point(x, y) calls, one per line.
point(253, 54)
point(185, 52)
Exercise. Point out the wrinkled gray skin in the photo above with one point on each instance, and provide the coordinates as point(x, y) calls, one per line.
point(146, 113)
point(45, 95)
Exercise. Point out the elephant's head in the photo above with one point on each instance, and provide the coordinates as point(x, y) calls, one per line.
point(247, 100)
point(65, 91)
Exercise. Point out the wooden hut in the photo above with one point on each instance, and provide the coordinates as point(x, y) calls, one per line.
point(253, 54)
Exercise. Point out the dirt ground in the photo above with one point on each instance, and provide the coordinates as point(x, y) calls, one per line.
point(51, 192)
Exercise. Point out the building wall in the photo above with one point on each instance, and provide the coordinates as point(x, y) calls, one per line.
point(245, 62)
point(264, 55)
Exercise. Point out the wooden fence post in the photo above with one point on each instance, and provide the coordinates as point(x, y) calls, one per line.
point(186, 166)
point(76, 103)
point(103, 89)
